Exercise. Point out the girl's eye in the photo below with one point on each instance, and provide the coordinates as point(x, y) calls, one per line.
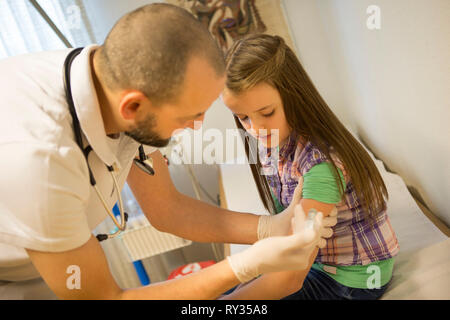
point(244, 119)
point(268, 115)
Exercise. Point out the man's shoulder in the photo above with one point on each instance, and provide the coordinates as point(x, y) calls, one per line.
point(28, 61)
point(32, 73)
point(51, 56)
point(33, 108)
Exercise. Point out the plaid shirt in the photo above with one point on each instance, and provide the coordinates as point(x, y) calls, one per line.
point(353, 241)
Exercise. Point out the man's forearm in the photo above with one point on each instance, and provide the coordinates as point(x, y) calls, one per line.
point(199, 221)
point(170, 211)
point(97, 282)
point(272, 286)
point(205, 284)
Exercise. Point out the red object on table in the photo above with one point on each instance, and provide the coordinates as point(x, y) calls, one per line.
point(190, 268)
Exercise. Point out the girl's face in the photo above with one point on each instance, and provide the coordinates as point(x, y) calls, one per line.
point(260, 108)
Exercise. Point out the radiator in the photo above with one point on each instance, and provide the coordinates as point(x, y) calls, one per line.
point(142, 240)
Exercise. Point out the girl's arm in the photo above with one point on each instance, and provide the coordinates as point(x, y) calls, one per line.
point(325, 208)
point(271, 286)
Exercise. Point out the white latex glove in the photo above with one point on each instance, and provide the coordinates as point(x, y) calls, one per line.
point(279, 225)
point(280, 253)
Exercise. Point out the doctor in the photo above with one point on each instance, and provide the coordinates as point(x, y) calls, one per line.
point(67, 148)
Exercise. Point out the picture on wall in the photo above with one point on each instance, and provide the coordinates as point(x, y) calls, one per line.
point(229, 20)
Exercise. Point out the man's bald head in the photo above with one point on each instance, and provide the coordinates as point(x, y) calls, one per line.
point(149, 50)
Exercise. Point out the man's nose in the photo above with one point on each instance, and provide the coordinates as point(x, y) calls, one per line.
point(195, 124)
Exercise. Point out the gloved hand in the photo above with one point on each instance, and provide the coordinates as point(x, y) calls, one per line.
point(282, 252)
point(279, 225)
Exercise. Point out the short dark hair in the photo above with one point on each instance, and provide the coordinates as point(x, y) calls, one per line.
point(149, 49)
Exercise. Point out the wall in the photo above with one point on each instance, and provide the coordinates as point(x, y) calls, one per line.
point(103, 14)
point(390, 86)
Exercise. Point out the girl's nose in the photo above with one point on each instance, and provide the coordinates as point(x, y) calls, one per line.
point(259, 129)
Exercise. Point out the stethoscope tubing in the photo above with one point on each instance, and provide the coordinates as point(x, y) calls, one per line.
point(77, 131)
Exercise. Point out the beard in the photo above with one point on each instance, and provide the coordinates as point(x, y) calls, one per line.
point(145, 133)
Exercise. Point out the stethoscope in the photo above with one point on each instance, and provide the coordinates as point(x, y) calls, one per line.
point(143, 162)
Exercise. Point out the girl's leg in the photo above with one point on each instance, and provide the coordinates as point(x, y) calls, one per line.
point(319, 286)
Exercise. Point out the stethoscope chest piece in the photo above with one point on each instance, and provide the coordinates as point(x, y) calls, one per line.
point(144, 163)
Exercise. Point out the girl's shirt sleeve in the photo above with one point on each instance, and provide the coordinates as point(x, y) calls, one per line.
point(319, 184)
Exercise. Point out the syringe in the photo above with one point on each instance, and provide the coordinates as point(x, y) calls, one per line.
point(310, 219)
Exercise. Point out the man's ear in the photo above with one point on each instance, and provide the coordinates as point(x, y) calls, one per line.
point(130, 103)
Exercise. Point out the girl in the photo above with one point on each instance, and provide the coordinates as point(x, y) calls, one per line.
point(273, 98)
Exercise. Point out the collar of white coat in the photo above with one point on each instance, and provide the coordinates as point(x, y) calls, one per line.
point(88, 108)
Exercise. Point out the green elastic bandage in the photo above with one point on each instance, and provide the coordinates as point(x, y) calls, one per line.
point(320, 184)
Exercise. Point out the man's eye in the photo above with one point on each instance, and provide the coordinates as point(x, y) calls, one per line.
point(270, 114)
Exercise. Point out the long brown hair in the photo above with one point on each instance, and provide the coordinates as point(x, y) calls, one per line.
point(264, 58)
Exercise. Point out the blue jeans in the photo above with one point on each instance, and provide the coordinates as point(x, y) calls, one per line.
point(319, 286)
